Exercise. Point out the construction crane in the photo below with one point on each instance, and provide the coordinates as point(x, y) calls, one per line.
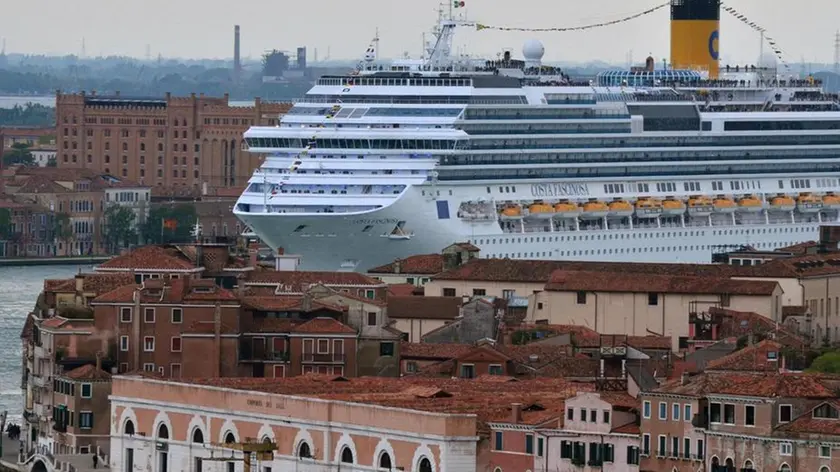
point(261, 451)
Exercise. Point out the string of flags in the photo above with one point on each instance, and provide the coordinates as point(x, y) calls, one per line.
point(759, 29)
point(481, 26)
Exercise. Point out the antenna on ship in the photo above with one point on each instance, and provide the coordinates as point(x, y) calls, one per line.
point(837, 53)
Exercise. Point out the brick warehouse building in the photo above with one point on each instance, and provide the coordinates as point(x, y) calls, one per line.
point(167, 142)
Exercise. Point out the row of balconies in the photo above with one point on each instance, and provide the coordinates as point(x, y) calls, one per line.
point(285, 356)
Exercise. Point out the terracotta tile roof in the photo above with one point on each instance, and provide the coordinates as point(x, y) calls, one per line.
point(806, 424)
point(542, 399)
point(59, 323)
point(87, 372)
point(208, 327)
point(466, 247)
point(148, 258)
point(180, 291)
point(433, 351)
point(274, 325)
point(404, 290)
point(538, 271)
point(799, 249)
point(324, 326)
point(742, 323)
point(300, 281)
point(794, 310)
point(422, 264)
point(581, 336)
point(761, 357)
point(650, 342)
point(754, 384)
point(433, 308)
point(574, 281)
point(622, 400)
point(629, 428)
point(37, 184)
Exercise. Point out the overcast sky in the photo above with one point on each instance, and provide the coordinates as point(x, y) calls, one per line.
point(204, 29)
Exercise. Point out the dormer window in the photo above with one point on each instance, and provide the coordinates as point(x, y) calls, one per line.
point(826, 411)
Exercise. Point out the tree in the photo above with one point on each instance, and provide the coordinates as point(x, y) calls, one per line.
point(181, 217)
point(828, 363)
point(63, 229)
point(119, 227)
point(18, 154)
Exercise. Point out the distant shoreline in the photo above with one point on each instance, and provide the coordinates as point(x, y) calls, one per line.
point(50, 261)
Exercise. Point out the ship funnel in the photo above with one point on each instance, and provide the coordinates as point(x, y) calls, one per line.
point(695, 30)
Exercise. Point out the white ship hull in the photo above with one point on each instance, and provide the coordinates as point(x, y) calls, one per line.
point(335, 242)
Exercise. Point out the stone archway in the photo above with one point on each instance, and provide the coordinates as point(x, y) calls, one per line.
point(39, 466)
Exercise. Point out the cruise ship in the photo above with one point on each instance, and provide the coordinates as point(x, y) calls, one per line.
point(650, 164)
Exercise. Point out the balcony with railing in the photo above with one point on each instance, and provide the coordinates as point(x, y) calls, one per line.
point(323, 358)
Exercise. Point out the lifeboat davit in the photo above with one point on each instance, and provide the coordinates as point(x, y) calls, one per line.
point(700, 206)
point(540, 211)
point(782, 204)
point(594, 210)
point(724, 205)
point(648, 208)
point(620, 209)
point(807, 203)
point(511, 213)
point(831, 201)
point(673, 207)
point(566, 209)
point(750, 204)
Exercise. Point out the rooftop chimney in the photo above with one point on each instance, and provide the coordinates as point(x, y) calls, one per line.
point(99, 360)
point(516, 413)
point(684, 378)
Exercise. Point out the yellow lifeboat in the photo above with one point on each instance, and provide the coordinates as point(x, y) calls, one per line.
point(511, 212)
point(540, 211)
point(566, 209)
point(700, 206)
point(724, 204)
point(673, 207)
point(648, 208)
point(831, 201)
point(750, 204)
point(807, 203)
point(782, 203)
point(620, 209)
point(594, 210)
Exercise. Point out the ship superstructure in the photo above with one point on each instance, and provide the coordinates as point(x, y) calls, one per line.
point(647, 164)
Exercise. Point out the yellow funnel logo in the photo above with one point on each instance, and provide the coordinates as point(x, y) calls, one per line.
point(695, 45)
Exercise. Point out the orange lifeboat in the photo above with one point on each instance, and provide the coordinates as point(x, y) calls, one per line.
point(724, 204)
point(807, 203)
point(648, 208)
point(620, 209)
point(511, 212)
point(782, 204)
point(673, 207)
point(540, 211)
point(831, 201)
point(700, 206)
point(750, 204)
point(594, 210)
point(566, 209)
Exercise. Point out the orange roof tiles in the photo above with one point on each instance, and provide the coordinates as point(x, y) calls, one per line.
point(806, 424)
point(87, 372)
point(324, 326)
point(753, 384)
point(435, 308)
point(149, 258)
point(433, 351)
point(422, 264)
point(762, 357)
point(742, 323)
point(590, 281)
point(299, 281)
point(157, 291)
point(404, 290)
point(629, 428)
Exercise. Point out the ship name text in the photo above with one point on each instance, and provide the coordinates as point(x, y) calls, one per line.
point(559, 190)
point(380, 221)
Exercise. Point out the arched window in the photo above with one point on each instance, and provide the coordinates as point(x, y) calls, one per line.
point(197, 436)
point(426, 466)
point(385, 461)
point(129, 427)
point(784, 468)
point(304, 452)
point(163, 432)
point(230, 438)
point(497, 469)
point(825, 469)
point(748, 464)
point(346, 455)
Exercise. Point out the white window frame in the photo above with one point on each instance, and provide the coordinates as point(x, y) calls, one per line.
point(370, 294)
point(785, 446)
point(647, 408)
point(147, 310)
point(91, 419)
point(821, 446)
point(687, 412)
point(791, 412)
point(318, 346)
point(663, 411)
point(82, 390)
point(145, 344)
point(172, 344)
point(124, 346)
point(675, 411)
point(645, 438)
point(661, 440)
point(172, 316)
point(747, 416)
point(149, 367)
point(723, 414)
point(172, 369)
point(720, 420)
point(123, 310)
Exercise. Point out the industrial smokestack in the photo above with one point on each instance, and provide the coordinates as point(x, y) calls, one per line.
point(237, 64)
